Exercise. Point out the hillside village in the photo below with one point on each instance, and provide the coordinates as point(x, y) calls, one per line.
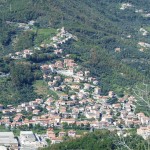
point(79, 104)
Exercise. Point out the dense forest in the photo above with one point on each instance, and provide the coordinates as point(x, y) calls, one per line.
point(100, 26)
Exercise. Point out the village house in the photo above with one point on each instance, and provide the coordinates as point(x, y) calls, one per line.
point(8, 111)
point(51, 84)
point(117, 106)
point(50, 133)
point(62, 110)
point(28, 108)
point(71, 133)
point(17, 118)
point(79, 123)
point(83, 102)
point(27, 53)
point(73, 97)
point(107, 118)
point(39, 101)
point(33, 103)
point(140, 115)
point(74, 115)
point(86, 73)
point(87, 86)
point(95, 82)
point(59, 64)
point(56, 140)
point(63, 96)
point(46, 69)
point(58, 51)
point(75, 110)
point(81, 95)
point(18, 53)
point(144, 132)
point(49, 101)
point(94, 124)
point(49, 108)
point(57, 89)
point(137, 122)
point(111, 94)
point(145, 120)
point(123, 114)
point(68, 80)
point(47, 77)
point(90, 115)
point(69, 121)
point(80, 74)
point(77, 80)
point(75, 87)
point(62, 134)
point(97, 91)
point(69, 63)
point(129, 122)
point(128, 107)
point(36, 112)
point(57, 118)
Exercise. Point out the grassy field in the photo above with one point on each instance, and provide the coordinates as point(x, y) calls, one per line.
point(47, 31)
point(41, 88)
point(44, 35)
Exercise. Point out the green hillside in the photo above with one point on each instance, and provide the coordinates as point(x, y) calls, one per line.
point(101, 27)
point(101, 140)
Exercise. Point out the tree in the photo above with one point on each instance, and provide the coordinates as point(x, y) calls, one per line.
point(142, 95)
point(112, 100)
point(94, 57)
point(21, 73)
point(25, 40)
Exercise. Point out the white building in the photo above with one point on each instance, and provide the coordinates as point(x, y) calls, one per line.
point(7, 140)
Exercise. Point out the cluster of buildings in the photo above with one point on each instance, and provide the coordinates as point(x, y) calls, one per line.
point(140, 11)
point(27, 140)
point(143, 44)
point(61, 37)
point(144, 132)
point(22, 26)
point(59, 138)
point(125, 6)
point(80, 102)
point(7, 140)
point(143, 31)
point(84, 97)
point(23, 54)
point(143, 13)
